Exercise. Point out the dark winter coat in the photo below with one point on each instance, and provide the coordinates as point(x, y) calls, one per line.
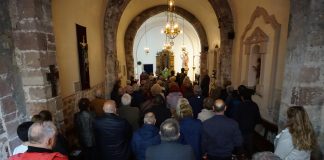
point(113, 135)
point(144, 137)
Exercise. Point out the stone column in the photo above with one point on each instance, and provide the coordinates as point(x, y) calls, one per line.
point(114, 11)
point(27, 48)
point(35, 50)
point(12, 105)
point(304, 70)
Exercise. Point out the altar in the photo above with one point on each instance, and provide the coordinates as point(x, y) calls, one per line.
point(164, 60)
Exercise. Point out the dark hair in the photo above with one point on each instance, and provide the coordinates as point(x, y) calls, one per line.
point(241, 89)
point(84, 104)
point(36, 118)
point(46, 115)
point(172, 73)
point(208, 103)
point(22, 131)
point(158, 100)
point(245, 93)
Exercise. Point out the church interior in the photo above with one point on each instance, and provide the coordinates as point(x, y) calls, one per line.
point(55, 52)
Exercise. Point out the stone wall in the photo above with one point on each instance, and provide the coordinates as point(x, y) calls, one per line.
point(26, 51)
point(227, 34)
point(113, 13)
point(304, 70)
point(34, 51)
point(70, 103)
point(12, 109)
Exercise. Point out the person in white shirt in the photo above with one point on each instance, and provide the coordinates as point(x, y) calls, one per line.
point(22, 132)
point(207, 111)
point(297, 140)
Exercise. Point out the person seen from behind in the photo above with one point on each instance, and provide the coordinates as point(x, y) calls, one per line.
point(42, 138)
point(298, 139)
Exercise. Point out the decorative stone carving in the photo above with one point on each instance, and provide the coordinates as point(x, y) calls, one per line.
point(253, 49)
point(257, 36)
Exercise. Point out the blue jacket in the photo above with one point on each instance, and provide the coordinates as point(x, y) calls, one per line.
point(190, 133)
point(144, 137)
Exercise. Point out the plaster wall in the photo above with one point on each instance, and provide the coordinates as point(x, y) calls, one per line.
point(269, 103)
point(86, 13)
point(242, 13)
point(264, 100)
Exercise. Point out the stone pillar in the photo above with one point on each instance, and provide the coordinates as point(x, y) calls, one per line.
point(227, 34)
point(304, 70)
point(27, 48)
point(35, 50)
point(114, 11)
point(203, 61)
point(12, 106)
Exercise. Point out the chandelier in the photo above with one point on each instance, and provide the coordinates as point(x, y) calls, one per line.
point(171, 29)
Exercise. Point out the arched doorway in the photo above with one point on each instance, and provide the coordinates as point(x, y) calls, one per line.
point(114, 11)
point(148, 35)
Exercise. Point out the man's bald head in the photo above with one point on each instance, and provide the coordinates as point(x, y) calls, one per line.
point(42, 134)
point(219, 106)
point(109, 106)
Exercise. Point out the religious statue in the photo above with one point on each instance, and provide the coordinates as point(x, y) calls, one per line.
point(185, 59)
point(257, 69)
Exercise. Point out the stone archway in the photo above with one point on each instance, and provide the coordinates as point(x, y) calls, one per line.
point(142, 17)
point(227, 35)
point(114, 11)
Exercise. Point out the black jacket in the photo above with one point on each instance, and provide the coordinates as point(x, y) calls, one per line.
point(170, 151)
point(83, 121)
point(247, 116)
point(113, 135)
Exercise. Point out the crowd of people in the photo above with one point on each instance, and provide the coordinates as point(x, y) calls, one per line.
point(167, 119)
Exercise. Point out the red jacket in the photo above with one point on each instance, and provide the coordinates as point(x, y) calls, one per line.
point(38, 156)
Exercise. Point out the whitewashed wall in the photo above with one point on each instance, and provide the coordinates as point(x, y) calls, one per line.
point(155, 41)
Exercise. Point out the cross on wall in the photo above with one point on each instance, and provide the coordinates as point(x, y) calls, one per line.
point(53, 77)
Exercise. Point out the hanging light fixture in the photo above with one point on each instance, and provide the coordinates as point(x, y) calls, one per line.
point(146, 49)
point(171, 29)
point(183, 47)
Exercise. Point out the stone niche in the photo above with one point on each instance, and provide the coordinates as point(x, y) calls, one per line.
point(259, 45)
point(255, 50)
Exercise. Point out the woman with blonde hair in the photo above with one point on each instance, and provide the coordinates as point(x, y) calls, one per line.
point(190, 128)
point(298, 140)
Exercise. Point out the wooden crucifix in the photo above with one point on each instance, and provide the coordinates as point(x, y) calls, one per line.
point(83, 56)
point(53, 77)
